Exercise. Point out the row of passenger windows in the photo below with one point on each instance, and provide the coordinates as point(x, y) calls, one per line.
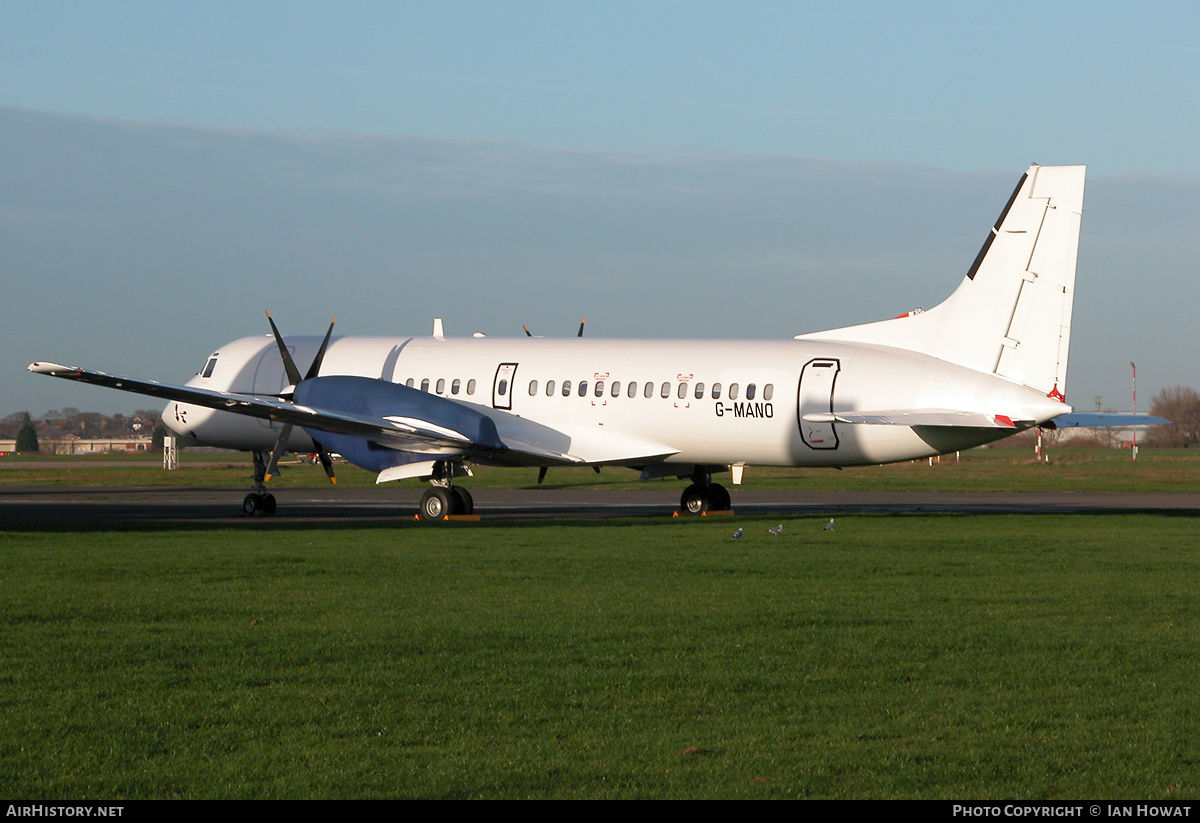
point(648, 389)
point(614, 389)
point(455, 385)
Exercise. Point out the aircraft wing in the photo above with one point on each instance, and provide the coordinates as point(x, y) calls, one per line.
point(348, 414)
point(397, 428)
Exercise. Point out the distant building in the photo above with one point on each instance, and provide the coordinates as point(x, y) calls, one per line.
point(72, 444)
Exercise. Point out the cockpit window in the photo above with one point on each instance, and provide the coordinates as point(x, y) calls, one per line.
point(209, 366)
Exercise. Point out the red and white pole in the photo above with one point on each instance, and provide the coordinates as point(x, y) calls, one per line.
point(1133, 366)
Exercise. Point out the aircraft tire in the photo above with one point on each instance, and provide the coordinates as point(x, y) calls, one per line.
point(694, 500)
point(462, 500)
point(258, 504)
point(436, 503)
point(718, 498)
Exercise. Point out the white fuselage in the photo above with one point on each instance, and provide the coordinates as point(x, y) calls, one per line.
point(765, 391)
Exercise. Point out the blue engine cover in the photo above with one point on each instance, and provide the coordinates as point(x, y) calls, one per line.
point(371, 397)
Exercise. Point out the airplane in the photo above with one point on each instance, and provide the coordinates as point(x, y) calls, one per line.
point(986, 363)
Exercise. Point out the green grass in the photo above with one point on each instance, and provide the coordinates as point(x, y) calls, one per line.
point(906, 656)
point(995, 469)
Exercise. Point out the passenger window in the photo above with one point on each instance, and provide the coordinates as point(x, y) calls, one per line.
point(699, 391)
point(532, 388)
point(502, 389)
point(566, 388)
point(649, 389)
point(666, 390)
point(455, 386)
point(470, 387)
point(599, 391)
point(768, 391)
point(632, 388)
point(425, 384)
point(549, 388)
point(441, 385)
point(583, 388)
point(733, 391)
point(716, 391)
point(409, 382)
point(616, 388)
point(682, 393)
point(750, 391)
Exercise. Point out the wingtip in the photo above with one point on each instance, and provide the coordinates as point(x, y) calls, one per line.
point(38, 367)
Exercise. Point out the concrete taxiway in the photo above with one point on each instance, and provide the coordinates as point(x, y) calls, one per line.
point(23, 506)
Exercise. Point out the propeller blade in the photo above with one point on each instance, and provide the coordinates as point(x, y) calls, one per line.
point(277, 452)
point(582, 320)
point(542, 474)
point(528, 333)
point(315, 368)
point(289, 365)
point(326, 462)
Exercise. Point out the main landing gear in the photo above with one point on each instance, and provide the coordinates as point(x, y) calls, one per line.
point(260, 502)
point(704, 495)
point(444, 498)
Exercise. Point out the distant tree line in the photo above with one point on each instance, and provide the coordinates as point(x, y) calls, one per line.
point(58, 424)
point(1180, 405)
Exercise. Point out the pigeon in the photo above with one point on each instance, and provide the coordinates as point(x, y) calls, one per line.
point(829, 525)
point(737, 535)
point(776, 529)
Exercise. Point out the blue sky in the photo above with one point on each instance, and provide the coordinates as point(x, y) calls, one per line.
point(178, 167)
point(955, 85)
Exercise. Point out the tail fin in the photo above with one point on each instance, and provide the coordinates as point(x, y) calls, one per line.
point(1011, 315)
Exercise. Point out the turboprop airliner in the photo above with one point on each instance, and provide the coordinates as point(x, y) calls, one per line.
point(989, 361)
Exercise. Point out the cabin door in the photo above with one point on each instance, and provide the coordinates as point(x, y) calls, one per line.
point(817, 381)
point(502, 386)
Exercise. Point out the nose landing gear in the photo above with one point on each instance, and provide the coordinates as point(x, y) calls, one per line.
point(260, 502)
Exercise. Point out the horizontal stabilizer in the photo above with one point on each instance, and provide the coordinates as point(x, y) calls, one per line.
point(1097, 420)
point(922, 417)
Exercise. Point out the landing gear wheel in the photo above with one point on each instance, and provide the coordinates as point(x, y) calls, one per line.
point(718, 498)
point(463, 502)
point(436, 503)
point(694, 500)
point(258, 504)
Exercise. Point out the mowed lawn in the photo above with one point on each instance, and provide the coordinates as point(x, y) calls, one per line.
point(997, 656)
point(1010, 469)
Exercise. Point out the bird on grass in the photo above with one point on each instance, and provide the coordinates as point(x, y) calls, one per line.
point(829, 525)
point(776, 529)
point(737, 535)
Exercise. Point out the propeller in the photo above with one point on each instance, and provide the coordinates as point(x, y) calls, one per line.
point(579, 333)
point(294, 378)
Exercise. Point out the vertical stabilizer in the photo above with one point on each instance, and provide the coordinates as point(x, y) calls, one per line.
point(1011, 315)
